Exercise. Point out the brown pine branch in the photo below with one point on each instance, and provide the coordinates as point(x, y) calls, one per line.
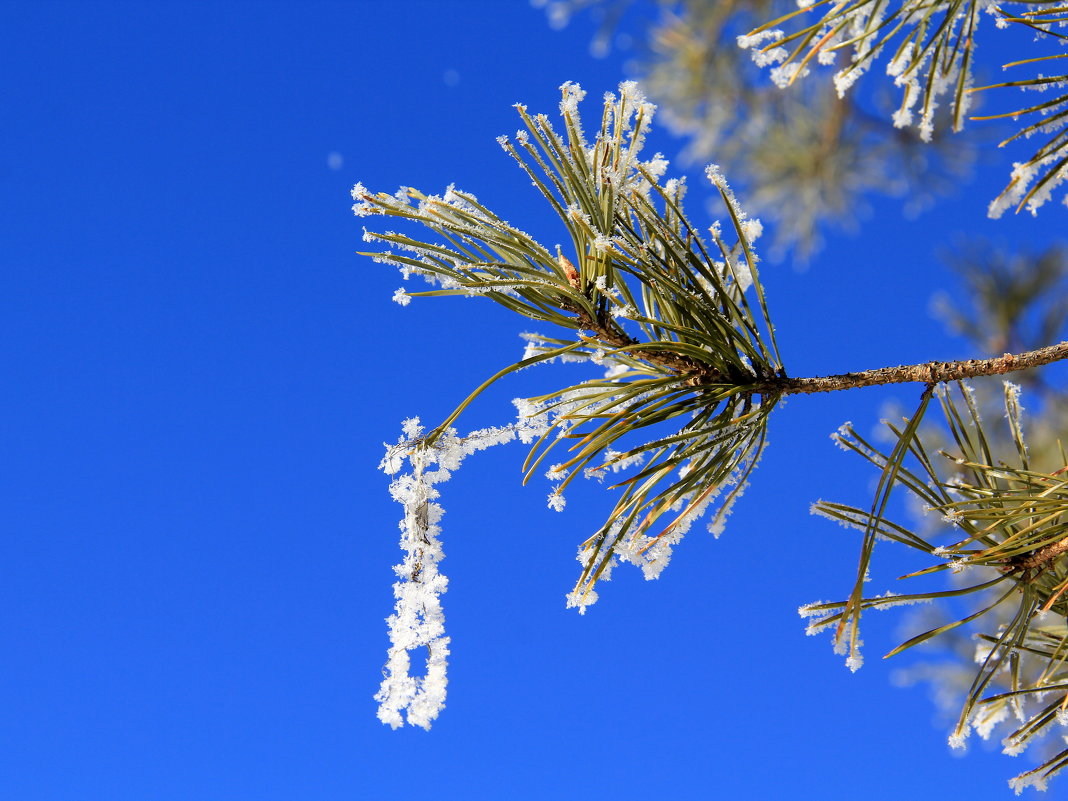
point(926, 373)
point(1042, 558)
point(699, 373)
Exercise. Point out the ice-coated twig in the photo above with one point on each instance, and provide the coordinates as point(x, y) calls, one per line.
point(418, 620)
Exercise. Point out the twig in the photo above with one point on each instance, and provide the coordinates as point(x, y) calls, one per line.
point(926, 373)
point(1043, 556)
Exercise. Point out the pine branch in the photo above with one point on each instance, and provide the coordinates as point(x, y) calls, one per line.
point(927, 372)
point(1043, 557)
point(681, 328)
point(923, 373)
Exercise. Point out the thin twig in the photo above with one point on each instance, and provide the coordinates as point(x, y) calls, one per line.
point(1043, 556)
point(925, 373)
point(607, 333)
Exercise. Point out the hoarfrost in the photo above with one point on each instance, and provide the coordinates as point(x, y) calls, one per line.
point(418, 620)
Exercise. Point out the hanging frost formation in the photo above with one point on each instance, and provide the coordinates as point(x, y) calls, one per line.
point(418, 620)
point(675, 325)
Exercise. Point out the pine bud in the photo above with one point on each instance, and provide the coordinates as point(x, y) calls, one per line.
point(570, 272)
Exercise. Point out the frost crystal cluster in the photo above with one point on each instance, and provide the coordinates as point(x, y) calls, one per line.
point(418, 620)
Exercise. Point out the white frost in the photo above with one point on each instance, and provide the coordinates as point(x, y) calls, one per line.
point(418, 620)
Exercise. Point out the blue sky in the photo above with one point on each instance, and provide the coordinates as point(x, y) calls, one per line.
point(199, 375)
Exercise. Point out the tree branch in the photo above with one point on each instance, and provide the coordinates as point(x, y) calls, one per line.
point(924, 373)
point(928, 372)
point(607, 333)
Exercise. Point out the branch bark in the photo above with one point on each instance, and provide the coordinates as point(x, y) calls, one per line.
point(926, 373)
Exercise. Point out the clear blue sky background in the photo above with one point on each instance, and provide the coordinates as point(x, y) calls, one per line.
point(199, 374)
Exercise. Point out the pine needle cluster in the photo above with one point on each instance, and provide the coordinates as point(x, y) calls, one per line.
point(675, 319)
